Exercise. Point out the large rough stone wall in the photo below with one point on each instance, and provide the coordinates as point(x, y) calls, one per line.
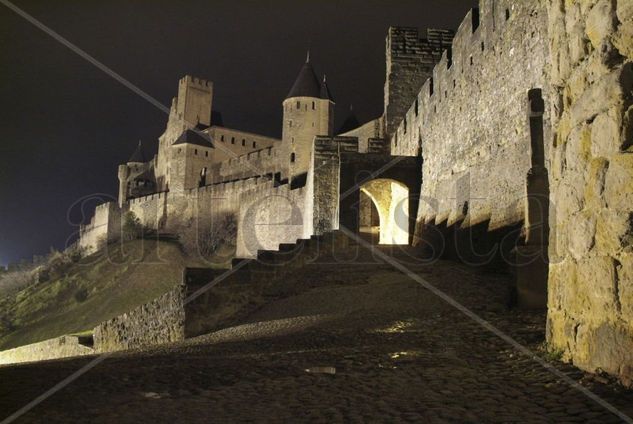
point(269, 216)
point(591, 246)
point(160, 321)
point(105, 225)
point(470, 119)
point(60, 347)
point(410, 61)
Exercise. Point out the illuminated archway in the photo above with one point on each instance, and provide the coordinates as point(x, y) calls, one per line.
point(391, 199)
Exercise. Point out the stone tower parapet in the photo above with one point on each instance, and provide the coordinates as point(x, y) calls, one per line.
point(410, 61)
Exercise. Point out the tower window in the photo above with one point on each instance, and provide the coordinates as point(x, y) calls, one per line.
point(292, 157)
point(254, 144)
point(313, 105)
point(507, 14)
point(232, 140)
point(243, 142)
point(417, 106)
point(222, 138)
point(195, 151)
point(206, 154)
point(298, 105)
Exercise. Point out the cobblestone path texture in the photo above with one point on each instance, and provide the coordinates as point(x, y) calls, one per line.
point(351, 343)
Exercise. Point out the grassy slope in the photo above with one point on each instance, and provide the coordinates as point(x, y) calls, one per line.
point(115, 281)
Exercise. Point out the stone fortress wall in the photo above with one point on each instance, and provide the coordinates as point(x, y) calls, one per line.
point(159, 321)
point(104, 225)
point(470, 118)
point(410, 61)
point(236, 143)
point(590, 317)
point(66, 346)
point(467, 117)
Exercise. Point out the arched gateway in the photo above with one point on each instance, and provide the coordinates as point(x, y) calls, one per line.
point(342, 179)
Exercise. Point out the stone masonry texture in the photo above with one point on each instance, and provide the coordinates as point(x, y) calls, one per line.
point(591, 246)
point(158, 322)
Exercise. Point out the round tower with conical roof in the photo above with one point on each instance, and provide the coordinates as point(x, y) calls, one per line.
point(308, 111)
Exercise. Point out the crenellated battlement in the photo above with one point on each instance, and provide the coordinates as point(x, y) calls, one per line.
point(468, 119)
point(196, 82)
point(482, 38)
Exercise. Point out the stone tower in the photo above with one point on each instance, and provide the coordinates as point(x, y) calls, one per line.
point(194, 102)
point(136, 176)
point(308, 112)
point(191, 108)
point(410, 61)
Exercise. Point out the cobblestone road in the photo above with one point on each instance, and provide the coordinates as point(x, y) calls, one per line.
point(400, 355)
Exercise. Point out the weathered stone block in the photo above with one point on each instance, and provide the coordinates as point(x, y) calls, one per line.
point(594, 189)
point(607, 346)
point(600, 22)
point(594, 288)
point(581, 232)
point(609, 91)
point(605, 133)
point(623, 38)
point(614, 232)
point(578, 149)
point(618, 191)
point(624, 10)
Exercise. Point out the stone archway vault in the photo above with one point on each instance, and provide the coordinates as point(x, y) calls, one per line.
point(391, 199)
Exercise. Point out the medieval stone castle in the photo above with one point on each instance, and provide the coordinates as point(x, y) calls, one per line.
point(518, 126)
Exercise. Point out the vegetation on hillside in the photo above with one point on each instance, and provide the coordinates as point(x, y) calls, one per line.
point(69, 294)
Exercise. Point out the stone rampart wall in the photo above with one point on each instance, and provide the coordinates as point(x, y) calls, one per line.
point(60, 347)
point(470, 119)
point(105, 225)
point(591, 244)
point(271, 216)
point(160, 321)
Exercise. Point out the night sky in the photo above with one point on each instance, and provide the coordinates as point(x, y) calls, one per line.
point(65, 125)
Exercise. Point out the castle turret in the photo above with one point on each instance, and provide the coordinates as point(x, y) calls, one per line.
point(308, 112)
point(136, 176)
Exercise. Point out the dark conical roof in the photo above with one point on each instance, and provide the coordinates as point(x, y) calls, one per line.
point(194, 137)
point(138, 155)
point(307, 83)
point(351, 122)
point(325, 90)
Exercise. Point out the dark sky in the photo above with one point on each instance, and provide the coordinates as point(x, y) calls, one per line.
point(65, 125)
